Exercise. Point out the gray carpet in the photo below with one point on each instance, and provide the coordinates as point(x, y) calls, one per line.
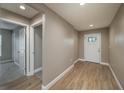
point(9, 72)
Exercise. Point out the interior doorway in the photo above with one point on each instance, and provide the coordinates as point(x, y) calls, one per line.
point(92, 47)
point(12, 51)
point(36, 49)
point(19, 47)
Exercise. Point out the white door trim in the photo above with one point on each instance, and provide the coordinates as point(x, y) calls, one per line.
point(39, 22)
point(27, 62)
point(99, 45)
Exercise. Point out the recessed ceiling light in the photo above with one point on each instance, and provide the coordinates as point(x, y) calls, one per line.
point(91, 25)
point(22, 7)
point(82, 3)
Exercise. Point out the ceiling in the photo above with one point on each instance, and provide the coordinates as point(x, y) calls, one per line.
point(29, 12)
point(81, 16)
point(7, 25)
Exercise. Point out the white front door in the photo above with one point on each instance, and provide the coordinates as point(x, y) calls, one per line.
point(22, 48)
point(92, 44)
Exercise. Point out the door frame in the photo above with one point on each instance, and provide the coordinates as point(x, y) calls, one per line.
point(27, 31)
point(34, 24)
point(99, 33)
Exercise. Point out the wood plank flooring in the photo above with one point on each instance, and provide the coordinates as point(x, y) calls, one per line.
point(23, 83)
point(87, 76)
point(84, 75)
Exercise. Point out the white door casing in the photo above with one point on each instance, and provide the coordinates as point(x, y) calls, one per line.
point(27, 40)
point(92, 47)
point(37, 22)
point(32, 42)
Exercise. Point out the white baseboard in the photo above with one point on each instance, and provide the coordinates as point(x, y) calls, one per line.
point(76, 61)
point(80, 59)
point(118, 82)
point(115, 77)
point(6, 61)
point(30, 74)
point(17, 64)
point(104, 63)
point(37, 70)
point(57, 78)
point(43, 87)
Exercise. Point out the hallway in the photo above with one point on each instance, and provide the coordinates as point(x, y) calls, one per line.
point(87, 75)
point(46, 39)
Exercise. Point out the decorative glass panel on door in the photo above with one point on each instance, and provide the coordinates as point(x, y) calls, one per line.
point(92, 39)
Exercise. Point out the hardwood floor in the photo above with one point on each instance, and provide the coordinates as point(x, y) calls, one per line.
point(84, 75)
point(87, 76)
point(23, 83)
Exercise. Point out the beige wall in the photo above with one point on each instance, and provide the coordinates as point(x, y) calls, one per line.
point(117, 45)
point(104, 43)
point(60, 42)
